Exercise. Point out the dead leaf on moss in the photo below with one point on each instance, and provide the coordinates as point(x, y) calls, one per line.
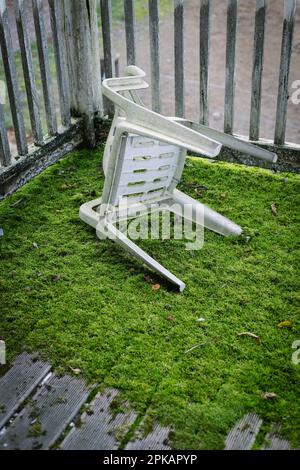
point(285, 324)
point(19, 202)
point(251, 335)
point(156, 287)
point(269, 395)
point(75, 371)
point(274, 208)
point(66, 186)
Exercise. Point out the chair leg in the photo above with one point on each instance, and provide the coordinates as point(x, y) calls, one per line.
point(211, 219)
point(109, 230)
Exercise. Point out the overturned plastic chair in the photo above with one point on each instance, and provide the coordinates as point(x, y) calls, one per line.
point(144, 142)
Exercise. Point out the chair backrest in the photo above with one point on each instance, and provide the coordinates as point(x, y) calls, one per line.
point(146, 170)
point(145, 152)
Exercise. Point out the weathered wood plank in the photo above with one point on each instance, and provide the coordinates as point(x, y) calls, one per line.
point(204, 61)
point(258, 55)
point(230, 66)
point(17, 384)
point(243, 434)
point(23, 170)
point(284, 71)
point(106, 21)
point(84, 73)
point(96, 60)
point(28, 71)
point(130, 31)
point(157, 439)
point(273, 441)
point(41, 41)
point(41, 422)
point(56, 16)
point(179, 57)
point(155, 53)
point(99, 428)
point(11, 78)
point(5, 155)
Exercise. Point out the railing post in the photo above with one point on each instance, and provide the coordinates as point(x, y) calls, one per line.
point(230, 66)
point(153, 6)
point(258, 55)
point(284, 72)
point(5, 155)
point(81, 37)
point(28, 70)
point(204, 61)
point(11, 79)
point(130, 30)
point(179, 57)
point(57, 26)
point(109, 66)
point(42, 47)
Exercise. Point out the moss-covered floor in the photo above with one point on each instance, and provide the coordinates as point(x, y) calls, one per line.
point(87, 305)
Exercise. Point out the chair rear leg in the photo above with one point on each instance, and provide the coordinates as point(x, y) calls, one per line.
point(210, 218)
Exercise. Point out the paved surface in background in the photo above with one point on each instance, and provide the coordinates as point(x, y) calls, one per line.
point(41, 410)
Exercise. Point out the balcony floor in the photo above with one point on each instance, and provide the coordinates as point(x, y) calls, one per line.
point(84, 304)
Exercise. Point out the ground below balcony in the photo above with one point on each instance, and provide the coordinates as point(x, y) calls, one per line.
point(179, 361)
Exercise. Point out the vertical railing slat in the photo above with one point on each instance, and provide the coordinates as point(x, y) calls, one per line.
point(5, 155)
point(204, 61)
point(154, 53)
point(41, 40)
point(130, 31)
point(28, 71)
point(230, 66)
point(12, 82)
point(56, 17)
point(106, 21)
point(258, 55)
point(179, 57)
point(283, 85)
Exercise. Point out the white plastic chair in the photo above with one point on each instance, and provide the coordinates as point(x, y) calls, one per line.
point(143, 162)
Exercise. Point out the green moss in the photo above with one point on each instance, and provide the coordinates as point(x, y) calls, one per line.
point(85, 304)
point(35, 430)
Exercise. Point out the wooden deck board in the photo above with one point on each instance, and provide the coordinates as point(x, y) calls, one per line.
point(16, 385)
point(46, 415)
point(100, 429)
